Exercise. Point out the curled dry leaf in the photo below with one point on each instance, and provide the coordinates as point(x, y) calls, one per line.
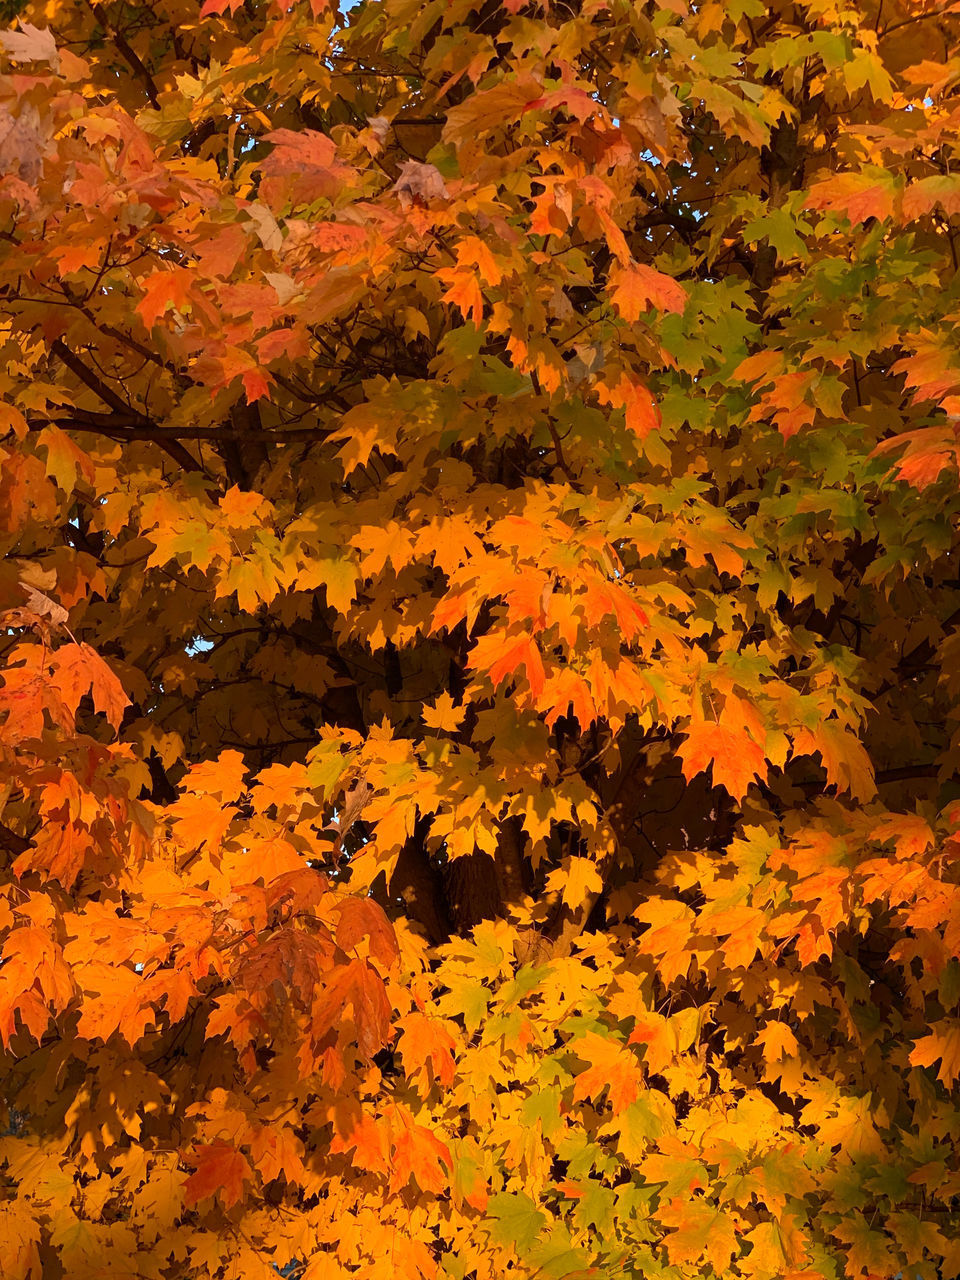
point(379, 126)
point(39, 603)
point(23, 142)
point(30, 44)
point(419, 182)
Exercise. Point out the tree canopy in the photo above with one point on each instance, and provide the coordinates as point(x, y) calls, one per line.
point(480, 631)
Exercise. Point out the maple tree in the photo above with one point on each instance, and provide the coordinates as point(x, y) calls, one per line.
point(479, 724)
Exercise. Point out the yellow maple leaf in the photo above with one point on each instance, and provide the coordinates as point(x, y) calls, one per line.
point(575, 881)
point(442, 715)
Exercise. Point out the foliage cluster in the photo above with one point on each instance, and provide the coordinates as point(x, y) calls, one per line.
point(479, 587)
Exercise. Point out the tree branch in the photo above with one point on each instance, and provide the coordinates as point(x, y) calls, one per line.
point(128, 53)
point(90, 379)
point(131, 429)
point(125, 412)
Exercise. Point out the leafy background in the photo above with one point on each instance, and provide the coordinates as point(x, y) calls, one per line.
point(478, 507)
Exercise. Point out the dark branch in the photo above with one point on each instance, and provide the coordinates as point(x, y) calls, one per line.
point(128, 53)
point(131, 430)
point(124, 411)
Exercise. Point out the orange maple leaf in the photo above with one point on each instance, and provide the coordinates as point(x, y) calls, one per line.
point(942, 1043)
point(635, 287)
point(732, 755)
point(641, 413)
point(417, 1153)
point(427, 1048)
point(364, 918)
point(502, 659)
point(221, 1171)
point(79, 669)
point(367, 1137)
point(612, 1066)
point(463, 290)
point(698, 1228)
point(857, 195)
point(359, 987)
point(171, 287)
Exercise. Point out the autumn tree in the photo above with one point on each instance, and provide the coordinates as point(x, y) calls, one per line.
point(480, 713)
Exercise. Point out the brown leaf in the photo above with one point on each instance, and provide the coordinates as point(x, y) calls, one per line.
point(353, 805)
point(363, 918)
point(359, 986)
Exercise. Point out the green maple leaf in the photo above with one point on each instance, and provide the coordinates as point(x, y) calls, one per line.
point(466, 998)
point(515, 1219)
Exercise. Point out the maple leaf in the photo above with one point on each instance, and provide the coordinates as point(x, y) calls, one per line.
point(564, 692)
point(337, 574)
point(236, 1018)
point(628, 393)
point(79, 669)
point(611, 1067)
point(427, 1048)
point(931, 371)
point(222, 778)
point(844, 758)
point(200, 819)
point(699, 1229)
point(474, 252)
point(941, 1044)
point(928, 452)
point(575, 881)
point(515, 1219)
point(732, 756)
point(303, 165)
point(924, 196)
point(578, 102)
point(419, 182)
point(463, 291)
point(215, 7)
point(635, 287)
point(443, 716)
point(740, 928)
point(356, 986)
point(502, 660)
point(858, 196)
point(668, 937)
point(21, 1235)
point(368, 1139)
point(418, 1153)
point(34, 981)
point(657, 1035)
point(362, 918)
point(777, 1041)
point(162, 289)
point(221, 1171)
point(868, 1250)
